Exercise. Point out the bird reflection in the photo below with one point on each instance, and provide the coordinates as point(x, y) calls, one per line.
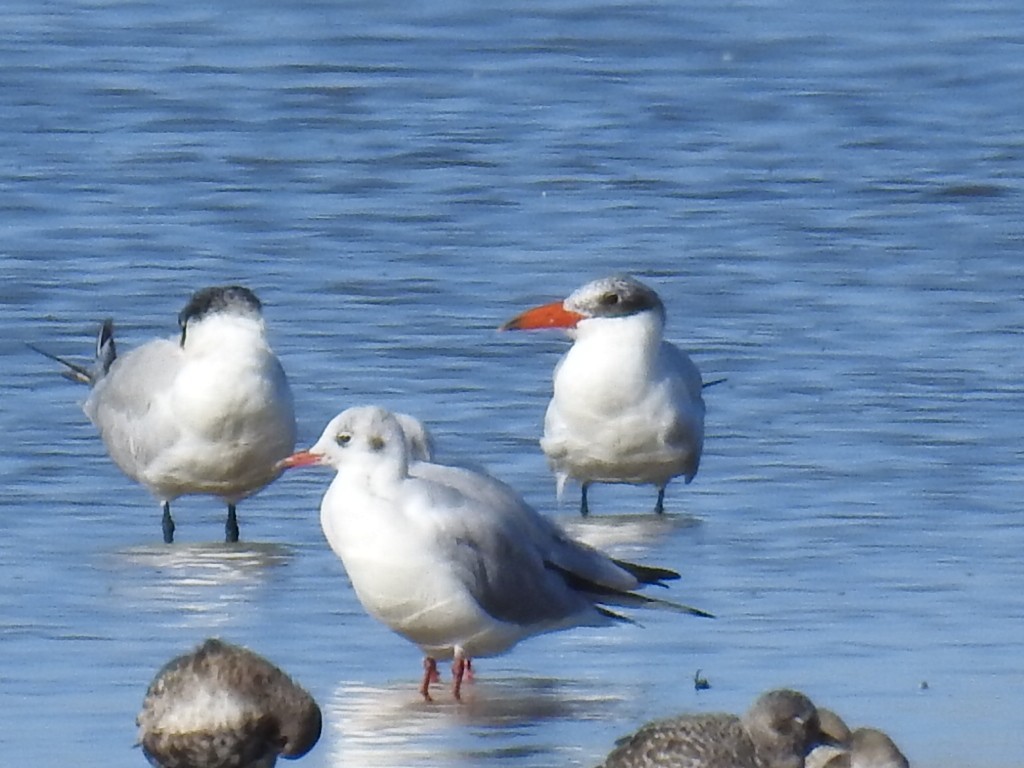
point(385, 727)
point(198, 579)
point(618, 531)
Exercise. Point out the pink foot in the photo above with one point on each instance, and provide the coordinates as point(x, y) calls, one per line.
point(430, 675)
point(462, 668)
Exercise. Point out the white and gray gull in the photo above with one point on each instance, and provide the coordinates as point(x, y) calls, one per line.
point(452, 559)
point(209, 412)
point(627, 405)
point(224, 706)
point(778, 731)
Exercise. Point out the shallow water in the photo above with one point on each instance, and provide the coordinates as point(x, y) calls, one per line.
point(828, 201)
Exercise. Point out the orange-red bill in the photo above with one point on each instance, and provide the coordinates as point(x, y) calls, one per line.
point(552, 315)
point(299, 459)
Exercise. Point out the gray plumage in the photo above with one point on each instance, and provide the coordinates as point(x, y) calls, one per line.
point(208, 413)
point(223, 706)
point(777, 732)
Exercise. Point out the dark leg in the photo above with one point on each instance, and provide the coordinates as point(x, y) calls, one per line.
point(659, 505)
point(168, 524)
point(231, 526)
point(430, 675)
point(584, 509)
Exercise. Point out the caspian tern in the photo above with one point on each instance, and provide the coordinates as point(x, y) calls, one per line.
point(778, 731)
point(627, 405)
point(222, 705)
point(207, 413)
point(452, 559)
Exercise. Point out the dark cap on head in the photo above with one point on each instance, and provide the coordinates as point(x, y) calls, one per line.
point(218, 298)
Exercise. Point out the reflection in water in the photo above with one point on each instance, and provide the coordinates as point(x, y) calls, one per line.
point(392, 726)
point(626, 530)
point(199, 579)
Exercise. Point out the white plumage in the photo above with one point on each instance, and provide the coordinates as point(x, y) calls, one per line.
point(452, 559)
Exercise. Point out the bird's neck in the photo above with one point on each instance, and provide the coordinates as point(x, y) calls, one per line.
point(632, 342)
point(225, 335)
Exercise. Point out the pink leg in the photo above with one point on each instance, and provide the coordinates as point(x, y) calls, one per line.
point(460, 668)
point(430, 675)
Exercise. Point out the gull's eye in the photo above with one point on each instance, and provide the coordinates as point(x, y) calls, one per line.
point(376, 442)
point(343, 439)
point(609, 300)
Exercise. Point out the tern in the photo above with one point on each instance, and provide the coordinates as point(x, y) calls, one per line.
point(453, 559)
point(627, 405)
point(209, 412)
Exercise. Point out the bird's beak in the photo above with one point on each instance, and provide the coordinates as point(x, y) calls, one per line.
point(553, 315)
point(299, 459)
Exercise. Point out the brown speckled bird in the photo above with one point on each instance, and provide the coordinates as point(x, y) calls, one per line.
point(777, 732)
point(223, 706)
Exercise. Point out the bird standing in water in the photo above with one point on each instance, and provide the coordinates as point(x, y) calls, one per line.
point(452, 559)
point(207, 413)
point(627, 405)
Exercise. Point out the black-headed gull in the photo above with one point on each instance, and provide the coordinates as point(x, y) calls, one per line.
point(452, 559)
point(222, 705)
point(627, 405)
point(778, 731)
point(209, 412)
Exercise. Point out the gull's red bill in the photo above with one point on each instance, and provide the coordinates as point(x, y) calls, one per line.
point(299, 459)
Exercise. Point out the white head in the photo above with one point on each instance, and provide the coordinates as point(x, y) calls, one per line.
point(619, 296)
point(366, 439)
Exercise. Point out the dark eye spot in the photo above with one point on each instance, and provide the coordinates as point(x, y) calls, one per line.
point(343, 439)
point(609, 300)
point(376, 442)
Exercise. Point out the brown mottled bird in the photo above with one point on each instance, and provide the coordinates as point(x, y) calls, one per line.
point(223, 706)
point(777, 732)
point(867, 748)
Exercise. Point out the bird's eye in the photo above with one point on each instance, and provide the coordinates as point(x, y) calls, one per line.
point(376, 442)
point(609, 300)
point(343, 439)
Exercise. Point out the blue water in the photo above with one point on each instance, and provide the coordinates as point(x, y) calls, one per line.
point(828, 200)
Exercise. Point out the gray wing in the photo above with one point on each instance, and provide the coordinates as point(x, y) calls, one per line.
point(126, 405)
point(520, 566)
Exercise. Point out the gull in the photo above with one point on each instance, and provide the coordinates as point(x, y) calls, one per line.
point(453, 559)
point(209, 412)
point(224, 706)
point(778, 731)
point(627, 405)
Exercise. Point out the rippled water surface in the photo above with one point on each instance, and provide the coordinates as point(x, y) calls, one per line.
point(828, 200)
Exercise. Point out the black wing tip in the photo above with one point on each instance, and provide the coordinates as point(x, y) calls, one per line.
point(648, 574)
point(74, 372)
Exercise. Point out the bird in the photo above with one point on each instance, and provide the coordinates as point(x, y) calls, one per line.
point(225, 706)
point(453, 559)
point(776, 732)
point(863, 748)
point(209, 412)
point(627, 406)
